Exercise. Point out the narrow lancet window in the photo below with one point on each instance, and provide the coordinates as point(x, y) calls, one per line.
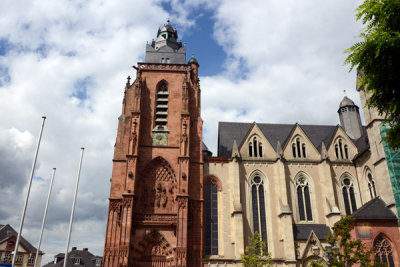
point(255, 146)
point(303, 199)
point(211, 220)
point(349, 198)
point(304, 150)
point(298, 147)
point(371, 186)
point(258, 208)
point(346, 151)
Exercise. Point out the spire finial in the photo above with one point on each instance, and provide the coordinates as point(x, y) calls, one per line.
point(344, 91)
point(168, 20)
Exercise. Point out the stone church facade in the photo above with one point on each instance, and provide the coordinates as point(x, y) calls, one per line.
point(174, 204)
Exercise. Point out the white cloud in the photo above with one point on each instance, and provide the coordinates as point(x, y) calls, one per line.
point(285, 63)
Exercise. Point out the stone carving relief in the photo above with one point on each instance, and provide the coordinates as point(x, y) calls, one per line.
point(127, 202)
point(157, 189)
point(184, 138)
point(185, 94)
point(133, 133)
point(115, 204)
point(182, 203)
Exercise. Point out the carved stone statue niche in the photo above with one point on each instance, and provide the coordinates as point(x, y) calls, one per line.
point(158, 188)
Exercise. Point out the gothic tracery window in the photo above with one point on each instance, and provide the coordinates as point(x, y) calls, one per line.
point(303, 198)
point(255, 148)
point(341, 149)
point(299, 148)
point(383, 252)
point(258, 207)
point(211, 220)
point(348, 194)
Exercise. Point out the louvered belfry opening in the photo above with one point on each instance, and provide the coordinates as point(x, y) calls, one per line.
point(162, 105)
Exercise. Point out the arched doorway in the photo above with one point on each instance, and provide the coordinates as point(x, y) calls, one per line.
point(154, 251)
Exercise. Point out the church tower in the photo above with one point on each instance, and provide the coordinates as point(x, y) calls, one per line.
point(155, 211)
point(350, 119)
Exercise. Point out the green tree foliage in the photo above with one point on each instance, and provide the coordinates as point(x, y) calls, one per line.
point(256, 254)
point(377, 58)
point(351, 251)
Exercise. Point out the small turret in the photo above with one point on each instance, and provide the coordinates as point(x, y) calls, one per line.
point(350, 119)
point(195, 65)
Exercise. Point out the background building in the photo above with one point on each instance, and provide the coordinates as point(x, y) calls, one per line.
point(76, 258)
point(26, 252)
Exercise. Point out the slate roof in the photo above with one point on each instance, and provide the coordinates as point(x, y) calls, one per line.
point(346, 102)
point(374, 209)
point(302, 231)
point(87, 259)
point(228, 131)
point(6, 231)
point(362, 143)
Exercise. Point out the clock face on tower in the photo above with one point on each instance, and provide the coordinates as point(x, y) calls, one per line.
point(160, 138)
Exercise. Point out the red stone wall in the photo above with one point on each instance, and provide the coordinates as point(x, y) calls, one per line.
point(389, 229)
point(156, 200)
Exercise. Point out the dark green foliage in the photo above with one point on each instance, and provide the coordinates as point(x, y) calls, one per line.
point(377, 59)
point(256, 254)
point(351, 251)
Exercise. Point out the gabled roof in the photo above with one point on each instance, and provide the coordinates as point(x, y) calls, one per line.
point(374, 209)
point(302, 231)
point(87, 259)
point(6, 231)
point(227, 131)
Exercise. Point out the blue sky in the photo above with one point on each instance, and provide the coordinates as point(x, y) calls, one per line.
point(261, 60)
point(200, 40)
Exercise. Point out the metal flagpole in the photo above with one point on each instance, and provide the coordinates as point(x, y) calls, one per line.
point(44, 217)
point(73, 209)
point(27, 193)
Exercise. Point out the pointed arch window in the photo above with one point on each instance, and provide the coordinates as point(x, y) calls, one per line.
point(303, 149)
point(303, 198)
point(341, 149)
point(255, 148)
point(383, 252)
point(250, 149)
point(299, 148)
point(211, 220)
point(258, 207)
point(371, 186)
point(337, 151)
point(348, 194)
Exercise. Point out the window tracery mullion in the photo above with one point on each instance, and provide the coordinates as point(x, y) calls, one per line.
point(304, 203)
point(259, 209)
